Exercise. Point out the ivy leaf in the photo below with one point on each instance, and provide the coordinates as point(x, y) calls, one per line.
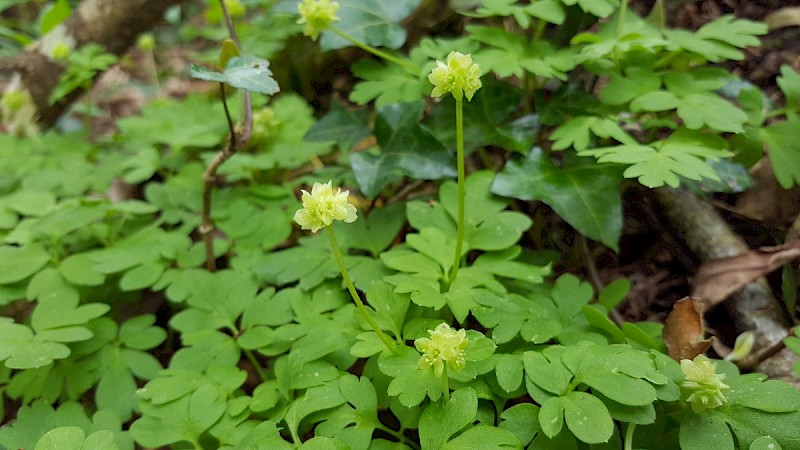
point(584, 194)
point(783, 148)
point(374, 22)
point(244, 72)
point(406, 149)
point(344, 126)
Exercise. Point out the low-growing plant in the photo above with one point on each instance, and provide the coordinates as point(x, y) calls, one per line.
point(420, 321)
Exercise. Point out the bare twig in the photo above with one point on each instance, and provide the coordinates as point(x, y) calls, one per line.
point(234, 144)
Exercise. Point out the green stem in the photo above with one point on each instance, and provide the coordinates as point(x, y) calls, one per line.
point(445, 384)
point(399, 436)
point(629, 436)
point(408, 65)
point(252, 358)
point(390, 344)
point(461, 192)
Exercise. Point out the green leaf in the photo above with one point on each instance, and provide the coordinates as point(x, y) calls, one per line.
point(79, 269)
point(346, 127)
point(141, 277)
point(315, 399)
point(509, 371)
point(243, 72)
point(511, 54)
point(406, 149)
point(375, 232)
point(704, 431)
point(587, 417)
point(771, 396)
point(386, 84)
point(547, 372)
point(53, 14)
point(586, 195)
point(21, 350)
point(765, 443)
point(783, 148)
point(441, 420)
point(371, 21)
point(683, 153)
point(18, 263)
point(551, 416)
point(613, 293)
point(523, 420)
point(789, 82)
point(712, 111)
point(484, 437)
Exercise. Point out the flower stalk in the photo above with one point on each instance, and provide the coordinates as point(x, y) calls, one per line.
point(390, 344)
point(321, 207)
point(460, 77)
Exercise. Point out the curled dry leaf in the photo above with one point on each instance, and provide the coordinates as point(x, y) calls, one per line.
point(684, 330)
point(718, 278)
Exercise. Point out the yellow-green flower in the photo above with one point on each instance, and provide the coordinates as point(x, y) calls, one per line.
point(703, 384)
point(460, 76)
point(60, 51)
point(317, 15)
point(445, 345)
point(322, 206)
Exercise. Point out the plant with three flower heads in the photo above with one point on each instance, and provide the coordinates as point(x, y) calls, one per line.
point(320, 208)
point(444, 349)
point(703, 387)
point(461, 77)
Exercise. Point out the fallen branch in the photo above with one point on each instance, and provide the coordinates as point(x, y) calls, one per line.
point(752, 308)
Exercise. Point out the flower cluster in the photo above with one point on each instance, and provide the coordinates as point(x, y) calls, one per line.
point(703, 384)
point(322, 206)
point(445, 345)
point(460, 76)
point(317, 15)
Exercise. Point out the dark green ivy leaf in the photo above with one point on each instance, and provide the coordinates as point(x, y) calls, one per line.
point(585, 194)
point(405, 149)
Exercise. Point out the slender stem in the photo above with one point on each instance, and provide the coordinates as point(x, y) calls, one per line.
point(461, 191)
point(206, 228)
point(408, 65)
point(629, 436)
point(252, 358)
point(390, 344)
point(623, 9)
point(399, 436)
point(445, 384)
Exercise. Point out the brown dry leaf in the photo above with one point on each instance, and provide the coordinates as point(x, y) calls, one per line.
point(718, 278)
point(684, 331)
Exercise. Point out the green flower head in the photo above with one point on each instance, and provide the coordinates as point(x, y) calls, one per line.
point(317, 15)
point(322, 206)
point(460, 76)
point(445, 345)
point(703, 384)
